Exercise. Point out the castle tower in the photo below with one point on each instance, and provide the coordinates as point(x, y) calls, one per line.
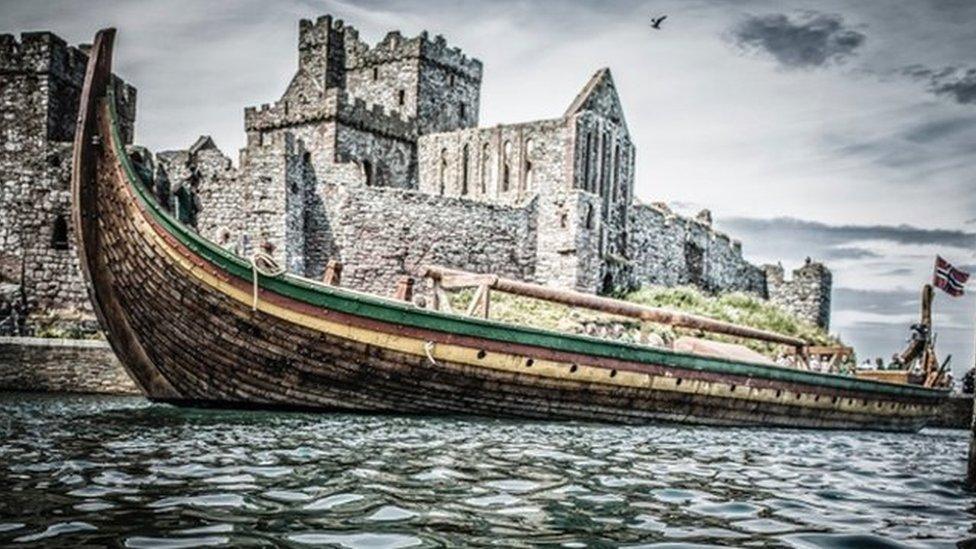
point(807, 295)
point(321, 52)
point(42, 80)
point(417, 78)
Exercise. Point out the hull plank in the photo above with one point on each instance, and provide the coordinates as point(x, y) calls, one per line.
point(181, 318)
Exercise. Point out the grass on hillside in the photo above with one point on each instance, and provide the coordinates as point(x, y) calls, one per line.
point(736, 308)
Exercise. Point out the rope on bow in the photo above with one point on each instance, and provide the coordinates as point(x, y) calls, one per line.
point(266, 265)
point(429, 349)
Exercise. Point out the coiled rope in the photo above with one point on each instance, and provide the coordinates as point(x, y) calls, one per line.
point(266, 265)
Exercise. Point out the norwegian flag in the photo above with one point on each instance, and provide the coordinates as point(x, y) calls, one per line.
point(950, 279)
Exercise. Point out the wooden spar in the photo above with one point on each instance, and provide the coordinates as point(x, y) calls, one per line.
point(613, 306)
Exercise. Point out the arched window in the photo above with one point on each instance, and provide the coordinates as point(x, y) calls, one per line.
point(485, 167)
point(587, 156)
point(59, 233)
point(527, 162)
point(462, 111)
point(589, 216)
point(401, 97)
point(464, 170)
point(442, 176)
point(376, 74)
point(604, 172)
point(616, 171)
point(506, 166)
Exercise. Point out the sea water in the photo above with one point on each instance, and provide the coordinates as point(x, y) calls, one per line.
point(102, 470)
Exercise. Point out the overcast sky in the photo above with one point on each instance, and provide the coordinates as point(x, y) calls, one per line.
point(845, 131)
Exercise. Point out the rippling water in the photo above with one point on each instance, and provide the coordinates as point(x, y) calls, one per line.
point(122, 471)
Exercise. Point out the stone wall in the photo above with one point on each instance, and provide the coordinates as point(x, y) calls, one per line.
point(61, 365)
point(39, 92)
point(382, 234)
point(670, 250)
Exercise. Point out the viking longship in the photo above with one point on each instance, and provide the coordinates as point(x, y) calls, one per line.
point(196, 325)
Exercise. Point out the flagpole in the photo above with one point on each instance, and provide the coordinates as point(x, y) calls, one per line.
point(971, 470)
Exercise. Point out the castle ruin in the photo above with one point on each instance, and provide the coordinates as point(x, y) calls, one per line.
point(373, 156)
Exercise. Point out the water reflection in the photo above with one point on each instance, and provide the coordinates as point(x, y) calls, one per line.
point(101, 470)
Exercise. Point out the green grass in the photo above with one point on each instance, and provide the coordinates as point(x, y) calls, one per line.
point(736, 308)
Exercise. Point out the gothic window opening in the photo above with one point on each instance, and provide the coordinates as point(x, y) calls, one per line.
point(59, 233)
point(589, 216)
point(401, 97)
point(485, 166)
point(616, 171)
point(527, 163)
point(464, 170)
point(604, 154)
point(506, 166)
point(586, 162)
point(442, 177)
point(450, 80)
point(376, 74)
point(462, 111)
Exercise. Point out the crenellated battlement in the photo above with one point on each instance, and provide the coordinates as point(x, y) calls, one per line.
point(43, 53)
point(394, 46)
point(806, 294)
point(336, 104)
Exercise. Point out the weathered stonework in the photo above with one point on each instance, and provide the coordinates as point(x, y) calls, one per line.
point(61, 365)
point(40, 85)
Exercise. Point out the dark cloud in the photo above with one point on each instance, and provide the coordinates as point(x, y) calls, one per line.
point(783, 236)
point(956, 83)
point(937, 130)
point(849, 252)
point(805, 40)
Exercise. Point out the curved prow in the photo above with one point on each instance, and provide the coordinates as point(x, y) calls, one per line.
point(91, 150)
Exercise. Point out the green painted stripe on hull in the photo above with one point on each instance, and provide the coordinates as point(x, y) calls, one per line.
point(395, 312)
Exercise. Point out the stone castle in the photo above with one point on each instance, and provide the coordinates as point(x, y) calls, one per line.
point(373, 156)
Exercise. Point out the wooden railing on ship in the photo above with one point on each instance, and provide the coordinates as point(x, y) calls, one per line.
point(451, 279)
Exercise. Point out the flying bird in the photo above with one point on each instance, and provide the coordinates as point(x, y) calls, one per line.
point(656, 23)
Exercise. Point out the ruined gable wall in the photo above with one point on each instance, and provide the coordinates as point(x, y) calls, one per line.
point(380, 234)
point(663, 249)
point(603, 165)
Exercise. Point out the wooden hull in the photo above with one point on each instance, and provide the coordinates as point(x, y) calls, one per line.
point(178, 311)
